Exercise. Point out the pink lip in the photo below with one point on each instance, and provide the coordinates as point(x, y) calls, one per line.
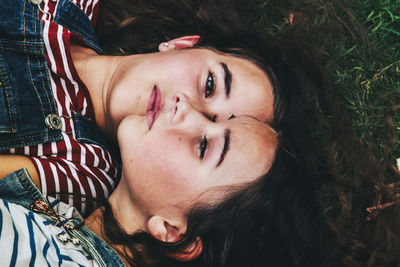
point(153, 107)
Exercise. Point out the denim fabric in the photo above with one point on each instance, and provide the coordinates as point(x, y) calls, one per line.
point(87, 132)
point(71, 17)
point(26, 98)
point(18, 188)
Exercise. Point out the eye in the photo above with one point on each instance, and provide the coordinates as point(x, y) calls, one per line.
point(203, 147)
point(210, 85)
point(212, 118)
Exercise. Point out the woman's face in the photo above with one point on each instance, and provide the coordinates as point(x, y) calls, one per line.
point(187, 121)
point(217, 85)
point(184, 154)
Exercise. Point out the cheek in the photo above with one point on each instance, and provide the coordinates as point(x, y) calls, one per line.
point(180, 75)
point(180, 80)
point(164, 167)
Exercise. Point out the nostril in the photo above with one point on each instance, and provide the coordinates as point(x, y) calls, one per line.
point(177, 99)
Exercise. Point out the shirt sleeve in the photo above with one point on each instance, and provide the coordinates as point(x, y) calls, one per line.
point(81, 180)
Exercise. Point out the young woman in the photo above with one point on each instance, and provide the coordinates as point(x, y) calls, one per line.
point(202, 172)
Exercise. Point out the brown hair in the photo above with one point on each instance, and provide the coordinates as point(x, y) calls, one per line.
point(332, 157)
point(279, 211)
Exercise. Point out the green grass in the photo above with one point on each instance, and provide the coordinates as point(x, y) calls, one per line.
point(359, 41)
point(370, 77)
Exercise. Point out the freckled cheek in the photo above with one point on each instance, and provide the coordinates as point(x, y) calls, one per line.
point(171, 165)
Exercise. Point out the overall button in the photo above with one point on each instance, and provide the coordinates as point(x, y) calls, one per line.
point(37, 3)
point(63, 237)
point(75, 241)
point(53, 121)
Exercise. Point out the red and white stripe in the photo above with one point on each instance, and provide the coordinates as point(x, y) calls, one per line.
point(69, 167)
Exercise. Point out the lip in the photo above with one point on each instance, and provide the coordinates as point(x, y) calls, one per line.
point(153, 106)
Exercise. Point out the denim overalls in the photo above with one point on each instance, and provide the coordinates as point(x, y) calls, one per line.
point(28, 114)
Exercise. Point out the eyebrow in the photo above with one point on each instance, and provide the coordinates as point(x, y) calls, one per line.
point(227, 79)
point(225, 149)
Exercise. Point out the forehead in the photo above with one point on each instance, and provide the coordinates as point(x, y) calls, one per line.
point(243, 66)
point(252, 149)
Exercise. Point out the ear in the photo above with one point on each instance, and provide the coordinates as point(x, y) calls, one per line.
point(178, 43)
point(161, 229)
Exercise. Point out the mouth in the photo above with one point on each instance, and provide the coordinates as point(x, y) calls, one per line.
point(153, 106)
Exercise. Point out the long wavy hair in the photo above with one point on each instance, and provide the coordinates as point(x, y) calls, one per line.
point(271, 222)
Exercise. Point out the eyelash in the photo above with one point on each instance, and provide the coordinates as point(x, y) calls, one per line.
point(203, 147)
point(209, 91)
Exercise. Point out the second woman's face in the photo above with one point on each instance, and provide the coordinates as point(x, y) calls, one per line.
point(219, 86)
point(169, 167)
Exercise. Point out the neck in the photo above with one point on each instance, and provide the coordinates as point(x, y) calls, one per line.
point(131, 218)
point(95, 223)
point(95, 71)
point(128, 217)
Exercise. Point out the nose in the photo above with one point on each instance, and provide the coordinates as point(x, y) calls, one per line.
point(184, 110)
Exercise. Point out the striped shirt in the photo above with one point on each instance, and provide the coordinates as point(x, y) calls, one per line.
point(28, 239)
point(42, 231)
point(68, 166)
